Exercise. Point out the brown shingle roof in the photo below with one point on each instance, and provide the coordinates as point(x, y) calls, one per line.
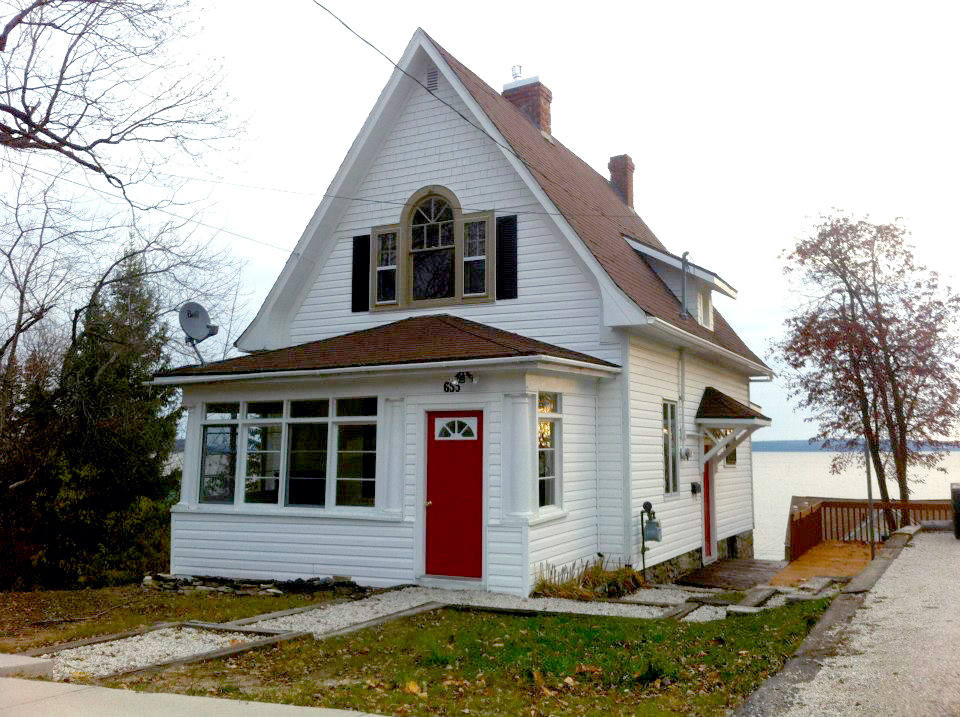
point(421, 339)
point(595, 211)
point(716, 404)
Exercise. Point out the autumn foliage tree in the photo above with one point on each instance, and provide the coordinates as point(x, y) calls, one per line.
point(871, 349)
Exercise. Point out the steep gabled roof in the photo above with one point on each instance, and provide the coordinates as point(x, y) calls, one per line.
point(594, 211)
point(421, 339)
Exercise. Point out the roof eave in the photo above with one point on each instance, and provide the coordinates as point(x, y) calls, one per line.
point(539, 360)
point(731, 422)
point(664, 329)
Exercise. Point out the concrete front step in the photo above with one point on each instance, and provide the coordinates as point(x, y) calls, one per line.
point(25, 666)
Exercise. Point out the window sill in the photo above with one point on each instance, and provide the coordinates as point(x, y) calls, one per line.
point(374, 514)
point(547, 515)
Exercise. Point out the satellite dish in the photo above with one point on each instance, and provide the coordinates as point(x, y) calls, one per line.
point(195, 322)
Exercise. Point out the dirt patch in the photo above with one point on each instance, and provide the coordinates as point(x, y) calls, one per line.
point(834, 559)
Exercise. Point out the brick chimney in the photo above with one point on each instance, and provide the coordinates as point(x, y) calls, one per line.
point(621, 177)
point(532, 98)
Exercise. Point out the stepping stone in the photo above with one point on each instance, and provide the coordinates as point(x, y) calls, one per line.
point(25, 666)
point(815, 585)
point(757, 596)
point(681, 611)
point(742, 609)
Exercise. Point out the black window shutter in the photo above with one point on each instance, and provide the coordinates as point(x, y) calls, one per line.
point(361, 274)
point(507, 257)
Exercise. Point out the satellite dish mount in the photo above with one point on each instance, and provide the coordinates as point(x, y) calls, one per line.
point(195, 322)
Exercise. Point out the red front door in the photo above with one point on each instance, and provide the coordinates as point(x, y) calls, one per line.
point(707, 514)
point(454, 507)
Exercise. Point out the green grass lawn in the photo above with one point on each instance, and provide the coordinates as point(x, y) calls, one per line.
point(451, 662)
point(40, 618)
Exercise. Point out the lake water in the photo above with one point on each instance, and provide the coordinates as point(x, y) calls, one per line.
point(777, 476)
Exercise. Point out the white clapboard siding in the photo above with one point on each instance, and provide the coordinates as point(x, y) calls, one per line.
point(557, 302)
point(655, 377)
point(734, 485)
point(506, 567)
point(610, 440)
point(573, 537)
point(288, 548)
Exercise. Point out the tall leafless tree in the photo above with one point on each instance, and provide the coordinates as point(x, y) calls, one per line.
point(106, 85)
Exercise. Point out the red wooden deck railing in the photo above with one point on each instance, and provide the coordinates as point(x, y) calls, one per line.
point(847, 520)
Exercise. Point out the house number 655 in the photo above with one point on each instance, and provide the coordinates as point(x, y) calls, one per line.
point(450, 387)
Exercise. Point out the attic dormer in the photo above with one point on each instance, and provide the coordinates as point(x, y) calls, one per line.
point(691, 284)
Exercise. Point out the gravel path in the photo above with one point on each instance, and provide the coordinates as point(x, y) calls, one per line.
point(335, 617)
point(141, 650)
point(900, 655)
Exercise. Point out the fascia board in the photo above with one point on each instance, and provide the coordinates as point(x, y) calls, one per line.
point(657, 326)
point(731, 422)
point(618, 308)
point(265, 331)
point(537, 362)
point(704, 275)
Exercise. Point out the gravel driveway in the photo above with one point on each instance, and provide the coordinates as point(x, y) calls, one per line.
point(900, 655)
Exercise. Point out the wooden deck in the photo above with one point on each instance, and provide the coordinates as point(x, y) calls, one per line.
point(741, 574)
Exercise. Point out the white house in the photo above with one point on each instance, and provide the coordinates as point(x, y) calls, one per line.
point(477, 361)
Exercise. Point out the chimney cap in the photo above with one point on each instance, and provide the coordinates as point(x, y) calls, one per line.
point(535, 80)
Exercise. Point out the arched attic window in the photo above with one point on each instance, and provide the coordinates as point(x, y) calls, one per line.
point(436, 255)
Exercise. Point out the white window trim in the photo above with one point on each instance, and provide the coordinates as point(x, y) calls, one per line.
point(555, 509)
point(280, 507)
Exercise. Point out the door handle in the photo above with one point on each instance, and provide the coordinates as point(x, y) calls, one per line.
point(428, 504)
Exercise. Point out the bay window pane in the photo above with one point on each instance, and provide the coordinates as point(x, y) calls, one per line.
point(357, 407)
point(356, 465)
point(218, 464)
point(309, 409)
point(307, 464)
point(386, 285)
point(548, 402)
point(222, 411)
point(262, 483)
point(474, 276)
point(265, 409)
point(433, 274)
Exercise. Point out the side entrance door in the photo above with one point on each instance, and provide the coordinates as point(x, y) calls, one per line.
point(708, 540)
point(454, 505)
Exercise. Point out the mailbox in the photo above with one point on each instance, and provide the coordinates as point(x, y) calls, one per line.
point(651, 530)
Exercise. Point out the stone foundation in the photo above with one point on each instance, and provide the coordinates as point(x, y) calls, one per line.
point(185, 583)
point(736, 546)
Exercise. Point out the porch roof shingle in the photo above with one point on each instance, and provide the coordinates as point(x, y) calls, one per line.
point(718, 405)
point(421, 339)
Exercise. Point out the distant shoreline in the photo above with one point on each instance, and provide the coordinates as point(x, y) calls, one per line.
point(797, 447)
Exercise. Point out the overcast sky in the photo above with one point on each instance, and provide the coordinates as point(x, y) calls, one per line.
point(746, 121)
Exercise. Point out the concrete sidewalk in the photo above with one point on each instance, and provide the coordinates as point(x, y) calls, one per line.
point(888, 646)
point(34, 698)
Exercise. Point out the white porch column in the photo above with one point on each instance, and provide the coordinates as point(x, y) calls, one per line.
point(395, 428)
point(519, 458)
point(190, 470)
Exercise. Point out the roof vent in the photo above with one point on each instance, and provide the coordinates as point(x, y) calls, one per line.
point(432, 78)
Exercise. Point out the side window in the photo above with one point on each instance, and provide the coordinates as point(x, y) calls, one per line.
point(218, 462)
point(549, 422)
point(670, 479)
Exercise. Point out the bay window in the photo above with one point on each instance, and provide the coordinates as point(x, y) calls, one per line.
point(436, 255)
point(304, 453)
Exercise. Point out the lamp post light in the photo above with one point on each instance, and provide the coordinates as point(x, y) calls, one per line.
point(649, 530)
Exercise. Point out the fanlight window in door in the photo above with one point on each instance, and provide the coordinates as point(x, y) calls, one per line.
point(455, 429)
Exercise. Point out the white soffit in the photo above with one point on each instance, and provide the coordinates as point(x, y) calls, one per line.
point(705, 275)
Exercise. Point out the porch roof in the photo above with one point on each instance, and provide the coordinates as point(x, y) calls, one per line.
point(417, 340)
point(719, 409)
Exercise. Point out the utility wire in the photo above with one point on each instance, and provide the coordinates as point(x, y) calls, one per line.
point(462, 116)
point(155, 209)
